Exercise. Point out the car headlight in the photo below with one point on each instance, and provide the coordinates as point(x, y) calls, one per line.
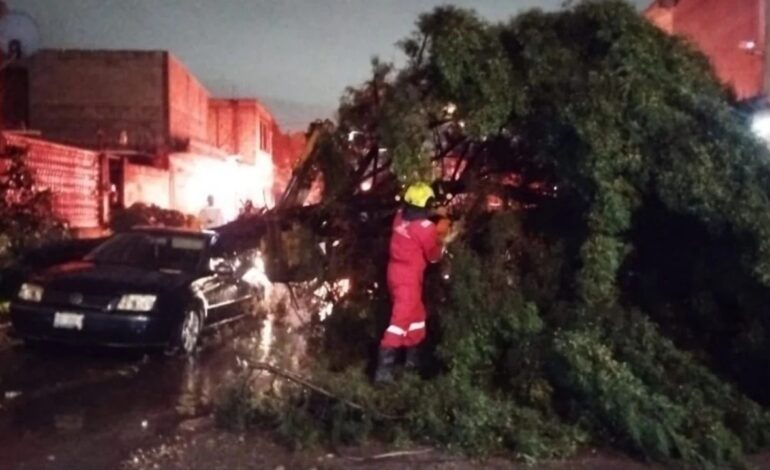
point(136, 302)
point(31, 292)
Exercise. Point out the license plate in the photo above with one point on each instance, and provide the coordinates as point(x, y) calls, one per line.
point(68, 321)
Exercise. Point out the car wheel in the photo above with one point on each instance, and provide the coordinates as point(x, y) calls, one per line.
point(187, 333)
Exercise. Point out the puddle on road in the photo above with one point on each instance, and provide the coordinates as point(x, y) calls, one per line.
point(84, 409)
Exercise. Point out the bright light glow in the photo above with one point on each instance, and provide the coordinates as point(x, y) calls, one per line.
point(325, 311)
point(352, 135)
point(342, 287)
point(329, 294)
point(494, 202)
point(760, 125)
point(747, 45)
point(266, 337)
point(366, 185)
point(257, 275)
point(230, 181)
point(31, 292)
point(136, 302)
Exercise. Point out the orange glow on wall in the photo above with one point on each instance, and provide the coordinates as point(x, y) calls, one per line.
point(194, 177)
point(730, 32)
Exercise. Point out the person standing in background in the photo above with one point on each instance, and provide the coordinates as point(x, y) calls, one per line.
point(211, 216)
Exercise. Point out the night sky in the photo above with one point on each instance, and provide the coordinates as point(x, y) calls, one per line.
point(296, 55)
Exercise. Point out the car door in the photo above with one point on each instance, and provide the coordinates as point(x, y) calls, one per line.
point(224, 290)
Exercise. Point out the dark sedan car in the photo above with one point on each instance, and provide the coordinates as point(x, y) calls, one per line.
point(147, 287)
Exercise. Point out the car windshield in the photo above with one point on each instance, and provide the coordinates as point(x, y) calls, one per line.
point(150, 250)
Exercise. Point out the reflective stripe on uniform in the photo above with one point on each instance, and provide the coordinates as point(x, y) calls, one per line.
point(403, 229)
point(417, 326)
point(393, 329)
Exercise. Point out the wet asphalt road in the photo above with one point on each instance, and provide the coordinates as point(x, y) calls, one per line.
point(75, 408)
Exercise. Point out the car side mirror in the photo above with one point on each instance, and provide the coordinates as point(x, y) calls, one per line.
point(224, 269)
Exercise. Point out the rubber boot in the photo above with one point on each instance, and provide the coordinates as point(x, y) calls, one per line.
point(412, 361)
point(386, 359)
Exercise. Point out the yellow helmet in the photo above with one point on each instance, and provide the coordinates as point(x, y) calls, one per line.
point(418, 194)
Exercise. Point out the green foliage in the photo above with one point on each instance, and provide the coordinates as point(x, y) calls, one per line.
point(26, 211)
point(651, 422)
point(446, 411)
point(466, 65)
point(453, 412)
point(237, 406)
point(544, 333)
point(404, 131)
point(299, 419)
point(709, 402)
point(335, 170)
point(485, 312)
point(454, 57)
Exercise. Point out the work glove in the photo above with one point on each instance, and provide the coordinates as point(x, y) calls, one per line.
point(453, 232)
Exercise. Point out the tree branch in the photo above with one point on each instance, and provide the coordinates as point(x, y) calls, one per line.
point(285, 374)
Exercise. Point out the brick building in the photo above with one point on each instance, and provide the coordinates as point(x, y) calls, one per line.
point(71, 174)
point(162, 139)
point(732, 33)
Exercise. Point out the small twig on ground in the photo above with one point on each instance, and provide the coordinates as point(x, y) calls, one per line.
point(283, 373)
point(391, 455)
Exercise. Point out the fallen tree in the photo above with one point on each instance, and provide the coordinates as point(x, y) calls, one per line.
point(611, 284)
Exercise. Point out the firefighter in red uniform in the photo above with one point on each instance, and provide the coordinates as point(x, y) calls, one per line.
point(414, 243)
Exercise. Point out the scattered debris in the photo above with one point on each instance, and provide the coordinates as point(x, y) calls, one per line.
point(391, 455)
point(285, 374)
point(196, 424)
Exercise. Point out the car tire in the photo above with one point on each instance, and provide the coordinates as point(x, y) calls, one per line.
point(187, 334)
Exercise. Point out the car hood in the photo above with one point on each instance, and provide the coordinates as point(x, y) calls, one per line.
point(90, 278)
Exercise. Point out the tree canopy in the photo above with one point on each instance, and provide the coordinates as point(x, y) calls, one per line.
point(620, 294)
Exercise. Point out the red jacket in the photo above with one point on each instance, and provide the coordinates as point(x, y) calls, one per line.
point(413, 245)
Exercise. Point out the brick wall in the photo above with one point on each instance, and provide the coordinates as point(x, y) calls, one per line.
point(87, 98)
point(662, 17)
point(241, 127)
point(72, 175)
point(287, 148)
point(146, 184)
point(188, 103)
point(718, 28)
